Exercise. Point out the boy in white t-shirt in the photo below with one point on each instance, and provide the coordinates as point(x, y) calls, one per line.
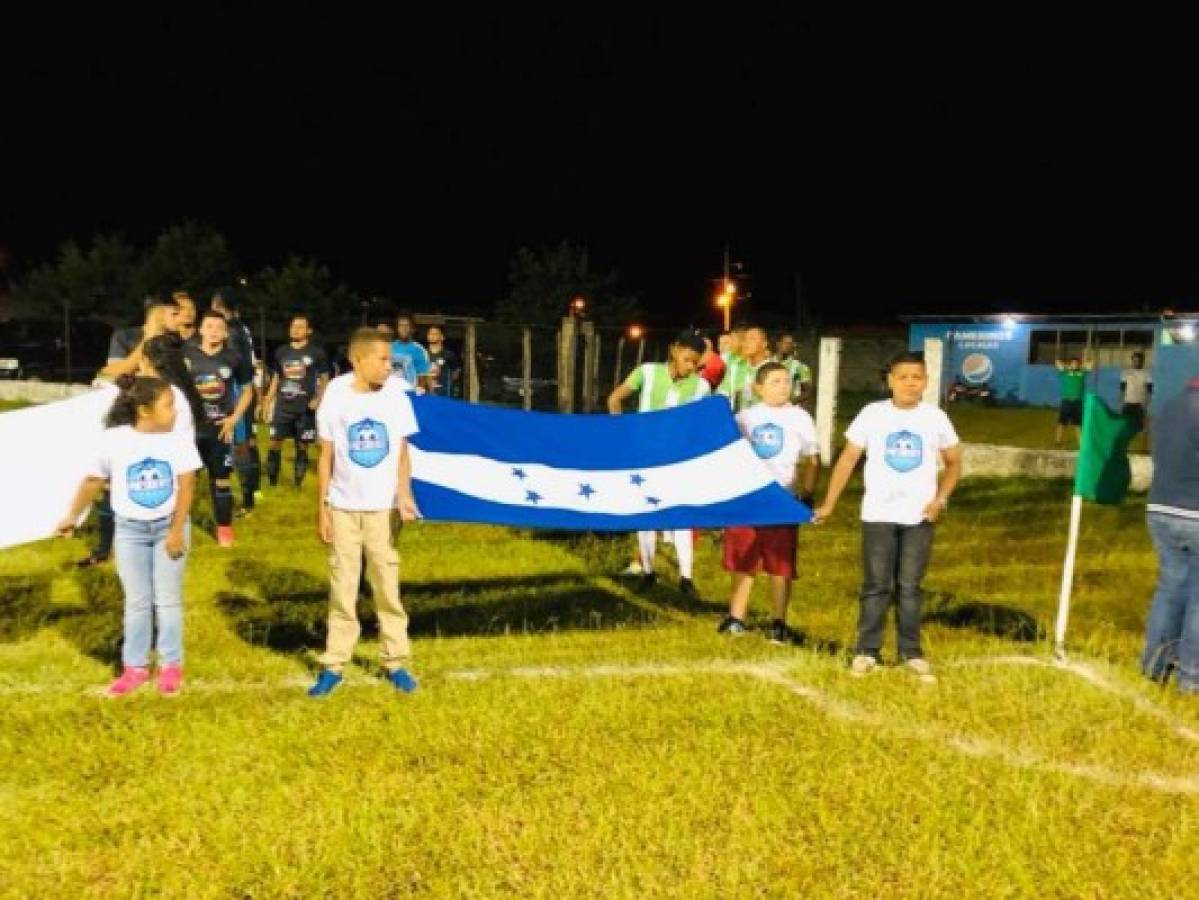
point(364, 474)
point(784, 438)
point(902, 439)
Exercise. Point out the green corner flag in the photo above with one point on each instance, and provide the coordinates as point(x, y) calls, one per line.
point(1102, 474)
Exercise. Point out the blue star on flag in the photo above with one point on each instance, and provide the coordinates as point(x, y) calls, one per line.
point(653, 501)
point(585, 491)
point(519, 473)
point(532, 496)
point(636, 480)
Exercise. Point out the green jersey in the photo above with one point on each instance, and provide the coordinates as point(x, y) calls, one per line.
point(800, 374)
point(1073, 383)
point(657, 390)
point(738, 383)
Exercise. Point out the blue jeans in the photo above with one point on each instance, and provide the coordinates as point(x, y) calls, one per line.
point(153, 583)
point(1172, 633)
point(894, 559)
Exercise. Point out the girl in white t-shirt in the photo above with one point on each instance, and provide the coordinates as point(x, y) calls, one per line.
point(150, 469)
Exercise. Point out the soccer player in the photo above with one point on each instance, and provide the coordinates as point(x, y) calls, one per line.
point(445, 368)
point(663, 386)
point(408, 358)
point(1072, 379)
point(298, 379)
point(801, 374)
point(902, 439)
point(784, 438)
point(365, 474)
point(185, 319)
point(245, 439)
point(224, 381)
point(1136, 386)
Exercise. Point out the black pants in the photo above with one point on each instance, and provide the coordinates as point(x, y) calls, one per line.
point(894, 559)
point(1135, 412)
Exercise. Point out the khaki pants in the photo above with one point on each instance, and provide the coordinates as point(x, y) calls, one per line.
point(354, 533)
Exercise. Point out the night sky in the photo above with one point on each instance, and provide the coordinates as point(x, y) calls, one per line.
point(901, 165)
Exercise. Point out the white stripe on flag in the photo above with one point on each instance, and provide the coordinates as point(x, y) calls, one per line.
point(725, 474)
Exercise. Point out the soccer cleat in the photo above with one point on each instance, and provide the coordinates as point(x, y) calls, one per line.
point(863, 664)
point(325, 683)
point(224, 536)
point(130, 680)
point(732, 626)
point(922, 670)
point(170, 680)
point(779, 633)
point(633, 568)
point(687, 588)
point(402, 680)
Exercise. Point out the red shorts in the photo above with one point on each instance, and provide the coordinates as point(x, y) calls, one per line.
point(770, 548)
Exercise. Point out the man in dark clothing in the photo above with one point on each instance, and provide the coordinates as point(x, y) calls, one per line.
point(445, 369)
point(224, 382)
point(1172, 632)
point(298, 378)
point(245, 439)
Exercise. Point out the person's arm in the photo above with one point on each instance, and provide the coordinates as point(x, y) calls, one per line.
point(176, 540)
point(244, 399)
point(322, 382)
point(809, 472)
point(324, 475)
point(89, 488)
point(950, 477)
point(405, 502)
point(617, 398)
point(268, 402)
point(842, 472)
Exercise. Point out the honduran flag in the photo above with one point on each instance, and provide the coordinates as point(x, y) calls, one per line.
point(686, 467)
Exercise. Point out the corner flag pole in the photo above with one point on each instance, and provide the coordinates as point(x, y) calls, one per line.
point(1063, 602)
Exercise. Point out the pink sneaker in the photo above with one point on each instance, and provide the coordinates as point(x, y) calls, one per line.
point(224, 536)
point(170, 680)
point(131, 679)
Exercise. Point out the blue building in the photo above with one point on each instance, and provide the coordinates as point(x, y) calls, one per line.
point(1015, 354)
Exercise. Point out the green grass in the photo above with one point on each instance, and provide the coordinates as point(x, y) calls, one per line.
point(574, 739)
point(9, 405)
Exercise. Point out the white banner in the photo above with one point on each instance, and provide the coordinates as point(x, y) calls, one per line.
point(44, 454)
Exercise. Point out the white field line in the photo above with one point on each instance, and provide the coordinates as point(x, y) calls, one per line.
point(775, 673)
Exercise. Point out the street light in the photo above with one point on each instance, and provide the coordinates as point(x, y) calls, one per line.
point(578, 306)
point(636, 332)
point(724, 300)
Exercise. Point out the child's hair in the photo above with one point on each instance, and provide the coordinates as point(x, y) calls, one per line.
point(765, 369)
point(300, 315)
point(362, 337)
point(211, 313)
point(136, 391)
point(689, 340)
point(165, 354)
point(907, 357)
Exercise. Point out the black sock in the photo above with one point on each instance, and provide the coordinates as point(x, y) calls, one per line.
point(250, 475)
point(274, 458)
point(301, 463)
point(222, 504)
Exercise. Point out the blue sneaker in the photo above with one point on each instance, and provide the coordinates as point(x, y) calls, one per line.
point(325, 683)
point(402, 680)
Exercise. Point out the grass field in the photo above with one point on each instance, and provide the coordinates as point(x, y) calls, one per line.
point(572, 738)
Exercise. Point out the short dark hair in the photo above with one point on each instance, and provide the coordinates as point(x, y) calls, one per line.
point(154, 301)
point(404, 314)
point(765, 369)
point(211, 313)
point(689, 340)
point(906, 357)
point(363, 337)
point(300, 315)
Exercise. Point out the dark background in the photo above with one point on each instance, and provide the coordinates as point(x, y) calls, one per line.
point(903, 164)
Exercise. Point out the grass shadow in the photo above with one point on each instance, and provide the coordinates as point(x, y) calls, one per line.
point(285, 609)
point(24, 606)
point(97, 627)
point(986, 618)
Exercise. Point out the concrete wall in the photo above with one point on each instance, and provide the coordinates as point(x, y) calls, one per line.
point(995, 461)
point(39, 391)
point(862, 358)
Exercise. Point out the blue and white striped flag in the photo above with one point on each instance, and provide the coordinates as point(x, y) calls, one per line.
point(686, 467)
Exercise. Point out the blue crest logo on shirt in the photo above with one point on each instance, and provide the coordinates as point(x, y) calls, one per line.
point(368, 443)
point(904, 451)
point(767, 440)
point(150, 482)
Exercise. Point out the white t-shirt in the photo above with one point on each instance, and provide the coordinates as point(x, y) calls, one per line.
point(142, 468)
point(902, 447)
point(367, 431)
point(185, 422)
point(1136, 385)
point(780, 435)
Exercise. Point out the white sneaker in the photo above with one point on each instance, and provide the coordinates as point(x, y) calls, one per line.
point(922, 669)
point(862, 665)
point(633, 569)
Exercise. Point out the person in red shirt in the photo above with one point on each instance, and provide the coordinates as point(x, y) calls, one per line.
point(711, 366)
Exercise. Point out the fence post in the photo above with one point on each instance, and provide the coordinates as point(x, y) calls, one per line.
point(567, 348)
point(472, 363)
point(526, 368)
point(828, 378)
point(619, 353)
point(934, 365)
point(595, 373)
point(640, 351)
point(588, 332)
